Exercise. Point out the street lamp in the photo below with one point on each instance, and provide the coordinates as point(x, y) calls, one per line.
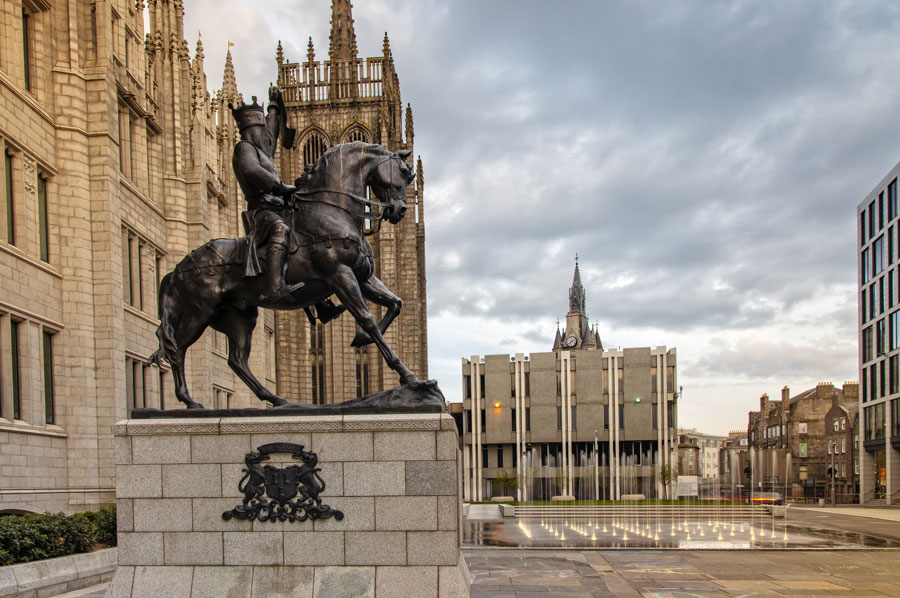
point(831, 471)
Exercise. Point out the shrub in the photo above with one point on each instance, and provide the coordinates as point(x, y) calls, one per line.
point(25, 538)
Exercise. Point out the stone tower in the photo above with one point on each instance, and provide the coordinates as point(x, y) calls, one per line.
point(578, 333)
point(348, 98)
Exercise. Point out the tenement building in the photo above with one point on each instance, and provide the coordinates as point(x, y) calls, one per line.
point(116, 161)
point(789, 441)
point(708, 453)
point(879, 342)
point(348, 98)
point(579, 421)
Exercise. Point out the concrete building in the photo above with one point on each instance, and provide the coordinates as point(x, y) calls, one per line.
point(579, 420)
point(348, 98)
point(879, 342)
point(116, 163)
point(788, 444)
point(708, 458)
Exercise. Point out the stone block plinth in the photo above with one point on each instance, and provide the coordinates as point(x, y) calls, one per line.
point(395, 478)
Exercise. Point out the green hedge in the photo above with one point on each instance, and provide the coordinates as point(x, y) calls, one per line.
point(25, 538)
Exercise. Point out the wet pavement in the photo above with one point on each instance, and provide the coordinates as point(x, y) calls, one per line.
point(737, 534)
point(502, 573)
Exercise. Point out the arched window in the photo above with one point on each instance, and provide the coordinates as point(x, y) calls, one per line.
point(358, 134)
point(313, 148)
point(317, 362)
point(362, 372)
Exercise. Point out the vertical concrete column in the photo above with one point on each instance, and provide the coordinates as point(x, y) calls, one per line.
point(477, 405)
point(891, 463)
point(519, 388)
point(660, 426)
point(611, 420)
point(866, 471)
point(615, 420)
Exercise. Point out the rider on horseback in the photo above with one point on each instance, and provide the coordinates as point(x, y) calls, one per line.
point(257, 175)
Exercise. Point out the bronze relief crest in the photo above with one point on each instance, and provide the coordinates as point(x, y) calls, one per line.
point(274, 494)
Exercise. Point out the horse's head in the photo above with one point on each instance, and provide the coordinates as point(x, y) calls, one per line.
point(389, 180)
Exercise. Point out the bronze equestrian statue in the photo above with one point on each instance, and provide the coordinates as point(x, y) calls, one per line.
point(315, 246)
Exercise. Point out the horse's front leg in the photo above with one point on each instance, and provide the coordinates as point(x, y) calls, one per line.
point(347, 289)
point(375, 291)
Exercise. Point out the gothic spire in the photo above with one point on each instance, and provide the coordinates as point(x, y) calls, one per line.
point(576, 292)
point(310, 52)
point(410, 130)
point(279, 53)
point(229, 83)
point(343, 37)
point(386, 47)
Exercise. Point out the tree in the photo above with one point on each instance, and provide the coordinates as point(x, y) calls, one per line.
point(667, 476)
point(505, 480)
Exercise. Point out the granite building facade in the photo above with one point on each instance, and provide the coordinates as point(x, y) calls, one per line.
point(579, 420)
point(116, 163)
point(789, 443)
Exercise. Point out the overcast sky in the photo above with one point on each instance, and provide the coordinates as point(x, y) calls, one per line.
point(703, 159)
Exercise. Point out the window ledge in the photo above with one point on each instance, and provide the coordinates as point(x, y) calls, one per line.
point(18, 253)
point(20, 427)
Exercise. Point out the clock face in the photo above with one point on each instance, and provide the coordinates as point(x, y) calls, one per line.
point(571, 341)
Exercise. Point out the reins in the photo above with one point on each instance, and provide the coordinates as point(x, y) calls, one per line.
point(377, 218)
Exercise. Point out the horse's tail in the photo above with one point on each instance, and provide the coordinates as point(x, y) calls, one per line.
point(168, 319)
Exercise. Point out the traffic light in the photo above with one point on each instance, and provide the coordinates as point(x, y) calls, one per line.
point(748, 473)
point(830, 472)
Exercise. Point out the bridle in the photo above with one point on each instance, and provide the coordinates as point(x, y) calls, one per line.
point(307, 195)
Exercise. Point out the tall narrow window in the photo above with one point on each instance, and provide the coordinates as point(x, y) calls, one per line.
point(10, 210)
point(482, 385)
point(27, 35)
point(14, 357)
point(527, 384)
point(559, 418)
point(606, 416)
point(43, 230)
point(483, 423)
point(49, 402)
point(621, 416)
point(514, 424)
point(500, 457)
point(892, 199)
point(528, 419)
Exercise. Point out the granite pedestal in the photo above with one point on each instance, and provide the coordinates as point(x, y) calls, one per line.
point(396, 479)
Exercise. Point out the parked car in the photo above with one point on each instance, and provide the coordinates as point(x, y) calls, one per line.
point(766, 498)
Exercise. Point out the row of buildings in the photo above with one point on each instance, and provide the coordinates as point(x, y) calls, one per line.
point(116, 163)
point(800, 446)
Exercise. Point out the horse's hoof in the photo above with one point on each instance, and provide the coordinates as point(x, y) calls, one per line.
point(361, 339)
point(278, 402)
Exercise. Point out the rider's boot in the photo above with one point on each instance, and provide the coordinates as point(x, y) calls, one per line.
point(326, 311)
point(276, 289)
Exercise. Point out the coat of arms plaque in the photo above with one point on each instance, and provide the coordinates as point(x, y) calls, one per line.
point(282, 494)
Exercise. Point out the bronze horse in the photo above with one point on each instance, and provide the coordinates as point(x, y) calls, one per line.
point(330, 255)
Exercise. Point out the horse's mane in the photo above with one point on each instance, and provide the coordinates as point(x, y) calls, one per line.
point(313, 172)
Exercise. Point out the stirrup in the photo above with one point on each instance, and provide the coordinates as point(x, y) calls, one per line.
point(330, 312)
point(281, 292)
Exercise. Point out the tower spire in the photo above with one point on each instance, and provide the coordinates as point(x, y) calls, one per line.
point(576, 292)
point(343, 37)
point(229, 83)
point(310, 52)
point(279, 53)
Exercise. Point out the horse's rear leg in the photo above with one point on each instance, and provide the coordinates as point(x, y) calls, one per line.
point(347, 289)
point(184, 338)
point(375, 291)
point(238, 325)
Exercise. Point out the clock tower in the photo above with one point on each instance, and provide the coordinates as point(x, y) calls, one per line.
point(578, 333)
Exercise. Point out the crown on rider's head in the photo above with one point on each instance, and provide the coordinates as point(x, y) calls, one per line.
point(248, 115)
